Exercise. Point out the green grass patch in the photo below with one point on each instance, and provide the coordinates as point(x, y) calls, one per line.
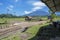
point(15, 36)
point(34, 29)
point(2, 20)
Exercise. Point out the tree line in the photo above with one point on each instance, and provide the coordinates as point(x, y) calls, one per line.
point(8, 16)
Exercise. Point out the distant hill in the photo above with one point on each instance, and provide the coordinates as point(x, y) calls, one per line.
point(8, 16)
point(38, 13)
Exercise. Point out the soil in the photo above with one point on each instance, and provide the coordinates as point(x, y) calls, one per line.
point(18, 26)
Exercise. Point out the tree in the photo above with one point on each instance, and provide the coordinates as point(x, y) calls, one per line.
point(53, 15)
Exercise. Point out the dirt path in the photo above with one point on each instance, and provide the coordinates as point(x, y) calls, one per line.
point(17, 26)
point(28, 24)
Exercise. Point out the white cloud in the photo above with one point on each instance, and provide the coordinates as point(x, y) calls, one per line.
point(27, 12)
point(37, 5)
point(16, 0)
point(33, 9)
point(10, 7)
point(36, 8)
point(1, 3)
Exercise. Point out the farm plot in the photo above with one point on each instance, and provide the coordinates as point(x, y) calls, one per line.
point(17, 26)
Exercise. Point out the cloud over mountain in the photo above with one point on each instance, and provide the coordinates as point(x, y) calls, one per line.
point(37, 5)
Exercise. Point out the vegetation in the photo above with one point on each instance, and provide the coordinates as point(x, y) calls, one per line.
point(32, 31)
point(53, 15)
point(9, 16)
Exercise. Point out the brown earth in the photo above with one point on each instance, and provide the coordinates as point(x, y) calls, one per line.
point(17, 26)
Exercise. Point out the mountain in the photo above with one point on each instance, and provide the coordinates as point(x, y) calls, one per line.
point(38, 13)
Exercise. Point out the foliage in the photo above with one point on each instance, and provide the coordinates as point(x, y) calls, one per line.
point(8, 16)
point(53, 15)
point(34, 29)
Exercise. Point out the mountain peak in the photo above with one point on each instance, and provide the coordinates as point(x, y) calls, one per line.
point(38, 13)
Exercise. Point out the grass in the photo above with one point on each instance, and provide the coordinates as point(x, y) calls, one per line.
point(32, 31)
point(15, 36)
point(5, 21)
point(2, 20)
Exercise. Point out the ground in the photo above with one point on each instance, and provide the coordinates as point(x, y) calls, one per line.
point(17, 26)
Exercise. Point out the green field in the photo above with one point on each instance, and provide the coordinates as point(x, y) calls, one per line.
point(10, 19)
point(32, 31)
point(2, 20)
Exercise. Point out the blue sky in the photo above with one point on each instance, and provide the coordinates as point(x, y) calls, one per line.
point(21, 7)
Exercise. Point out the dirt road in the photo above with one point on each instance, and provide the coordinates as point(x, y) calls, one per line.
point(27, 24)
point(17, 26)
